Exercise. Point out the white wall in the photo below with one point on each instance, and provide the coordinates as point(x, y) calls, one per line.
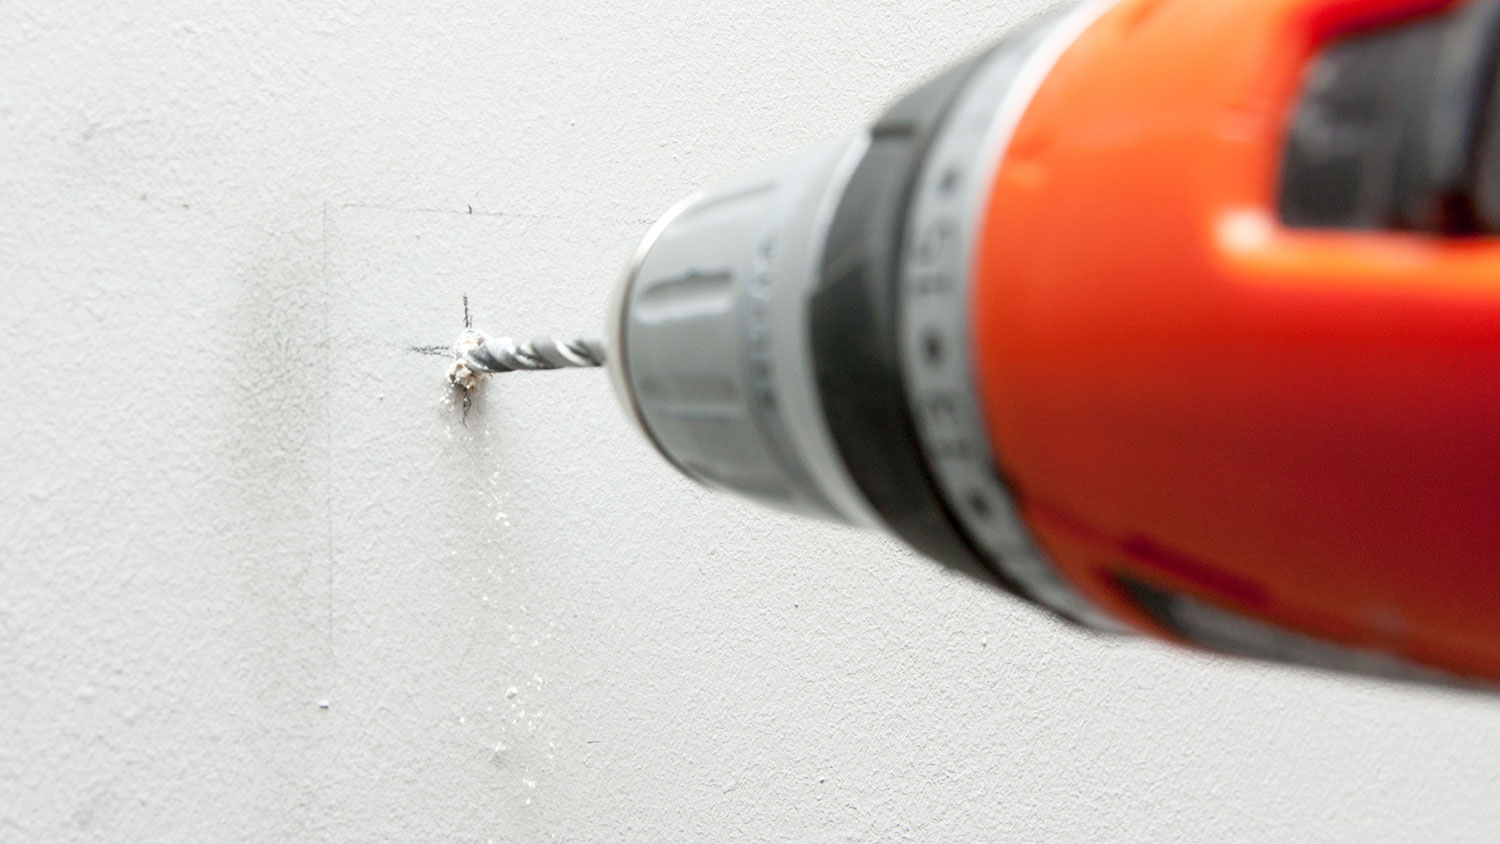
point(258, 582)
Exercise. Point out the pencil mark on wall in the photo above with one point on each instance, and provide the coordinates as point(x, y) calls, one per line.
point(328, 465)
point(469, 211)
point(454, 212)
point(462, 381)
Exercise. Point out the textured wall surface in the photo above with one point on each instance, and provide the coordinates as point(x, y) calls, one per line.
point(259, 582)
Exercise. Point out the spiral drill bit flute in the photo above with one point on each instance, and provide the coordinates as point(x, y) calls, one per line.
point(477, 355)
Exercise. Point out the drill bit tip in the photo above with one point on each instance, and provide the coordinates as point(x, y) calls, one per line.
point(477, 356)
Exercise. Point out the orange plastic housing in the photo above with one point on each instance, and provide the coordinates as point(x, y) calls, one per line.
point(1301, 427)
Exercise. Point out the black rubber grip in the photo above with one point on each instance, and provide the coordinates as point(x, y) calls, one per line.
point(854, 330)
point(1397, 129)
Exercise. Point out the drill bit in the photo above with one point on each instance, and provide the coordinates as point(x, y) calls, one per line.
point(477, 356)
point(492, 355)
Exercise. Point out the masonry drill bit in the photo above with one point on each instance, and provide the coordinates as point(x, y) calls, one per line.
point(477, 354)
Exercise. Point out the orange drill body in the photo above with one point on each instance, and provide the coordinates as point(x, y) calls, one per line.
point(1298, 426)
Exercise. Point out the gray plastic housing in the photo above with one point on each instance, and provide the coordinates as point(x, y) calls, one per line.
point(774, 338)
point(709, 341)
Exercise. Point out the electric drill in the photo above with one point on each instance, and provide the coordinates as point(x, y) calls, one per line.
point(1169, 316)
